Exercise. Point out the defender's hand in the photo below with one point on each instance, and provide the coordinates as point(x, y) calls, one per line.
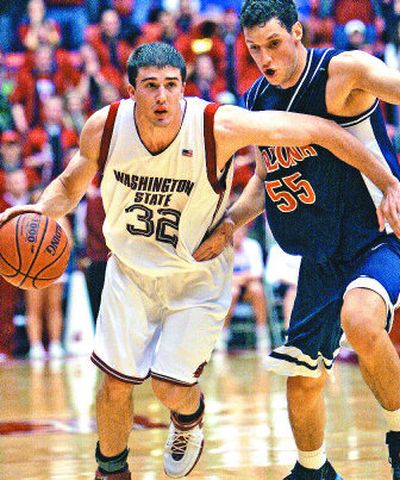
point(389, 209)
point(18, 210)
point(220, 238)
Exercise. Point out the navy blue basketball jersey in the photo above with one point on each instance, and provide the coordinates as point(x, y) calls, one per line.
point(318, 206)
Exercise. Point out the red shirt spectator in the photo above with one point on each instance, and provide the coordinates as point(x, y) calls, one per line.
point(204, 82)
point(16, 194)
point(52, 74)
point(247, 71)
point(203, 39)
point(110, 48)
point(46, 145)
point(38, 29)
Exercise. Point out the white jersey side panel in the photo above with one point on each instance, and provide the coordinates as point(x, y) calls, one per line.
point(159, 207)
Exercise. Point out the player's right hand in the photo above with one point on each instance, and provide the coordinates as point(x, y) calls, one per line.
point(389, 209)
point(18, 210)
point(219, 239)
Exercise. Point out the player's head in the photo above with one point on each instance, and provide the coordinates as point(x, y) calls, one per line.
point(156, 54)
point(273, 35)
point(258, 12)
point(157, 74)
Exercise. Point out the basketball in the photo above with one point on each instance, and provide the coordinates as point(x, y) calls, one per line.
point(34, 251)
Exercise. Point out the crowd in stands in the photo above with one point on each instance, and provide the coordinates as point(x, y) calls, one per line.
point(60, 60)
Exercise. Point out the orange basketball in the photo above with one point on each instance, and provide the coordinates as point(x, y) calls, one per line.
point(34, 251)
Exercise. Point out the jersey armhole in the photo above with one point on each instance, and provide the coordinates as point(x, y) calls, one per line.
point(107, 135)
point(218, 184)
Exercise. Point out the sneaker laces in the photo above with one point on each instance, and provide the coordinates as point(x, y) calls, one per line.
point(179, 442)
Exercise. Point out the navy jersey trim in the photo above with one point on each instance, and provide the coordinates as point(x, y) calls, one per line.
point(361, 118)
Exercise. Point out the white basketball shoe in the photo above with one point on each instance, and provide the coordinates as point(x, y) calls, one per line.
point(182, 450)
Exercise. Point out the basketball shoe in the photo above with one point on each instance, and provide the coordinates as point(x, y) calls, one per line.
point(113, 476)
point(326, 472)
point(393, 442)
point(182, 450)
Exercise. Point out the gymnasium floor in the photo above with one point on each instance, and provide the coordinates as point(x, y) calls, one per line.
point(47, 424)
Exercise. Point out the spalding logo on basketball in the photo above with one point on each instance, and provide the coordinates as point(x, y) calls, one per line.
point(34, 251)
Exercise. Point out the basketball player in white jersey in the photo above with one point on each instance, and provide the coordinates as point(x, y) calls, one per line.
point(166, 163)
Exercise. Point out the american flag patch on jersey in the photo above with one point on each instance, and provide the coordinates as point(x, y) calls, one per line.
point(187, 153)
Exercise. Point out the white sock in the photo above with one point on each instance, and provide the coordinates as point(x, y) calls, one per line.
point(314, 459)
point(392, 419)
point(261, 331)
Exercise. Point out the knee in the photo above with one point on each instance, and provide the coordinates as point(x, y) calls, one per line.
point(113, 389)
point(170, 395)
point(363, 318)
point(256, 289)
point(300, 387)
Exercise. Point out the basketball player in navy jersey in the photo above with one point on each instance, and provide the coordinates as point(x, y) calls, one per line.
point(325, 211)
point(166, 177)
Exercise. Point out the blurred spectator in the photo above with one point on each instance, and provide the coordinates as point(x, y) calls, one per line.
point(187, 15)
point(6, 88)
point(51, 74)
point(95, 76)
point(342, 11)
point(96, 250)
point(47, 144)
point(203, 39)
point(16, 193)
point(168, 27)
point(247, 71)
point(281, 273)
point(45, 308)
point(204, 81)
point(317, 29)
point(38, 29)
point(108, 43)
point(247, 286)
point(11, 159)
point(72, 16)
point(108, 94)
point(130, 29)
point(76, 111)
point(230, 29)
point(11, 151)
point(391, 15)
point(355, 35)
point(244, 168)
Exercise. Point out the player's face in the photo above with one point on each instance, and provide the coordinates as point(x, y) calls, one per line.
point(276, 51)
point(158, 94)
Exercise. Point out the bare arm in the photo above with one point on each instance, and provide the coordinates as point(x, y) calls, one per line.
point(248, 206)
point(252, 200)
point(356, 73)
point(64, 192)
point(237, 128)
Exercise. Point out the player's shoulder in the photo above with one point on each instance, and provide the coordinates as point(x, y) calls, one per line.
point(97, 120)
point(349, 62)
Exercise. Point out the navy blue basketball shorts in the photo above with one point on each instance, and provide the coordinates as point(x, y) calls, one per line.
point(315, 333)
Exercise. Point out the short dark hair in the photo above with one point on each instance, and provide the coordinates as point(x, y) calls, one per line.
point(258, 12)
point(155, 54)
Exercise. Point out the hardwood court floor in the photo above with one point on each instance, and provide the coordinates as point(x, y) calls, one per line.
point(47, 426)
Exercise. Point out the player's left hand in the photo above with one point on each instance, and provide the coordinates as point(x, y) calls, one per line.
point(213, 245)
point(389, 209)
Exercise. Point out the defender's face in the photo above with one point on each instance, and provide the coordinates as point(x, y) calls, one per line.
point(158, 94)
point(276, 51)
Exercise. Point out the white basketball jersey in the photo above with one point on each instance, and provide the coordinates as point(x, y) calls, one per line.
point(160, 207)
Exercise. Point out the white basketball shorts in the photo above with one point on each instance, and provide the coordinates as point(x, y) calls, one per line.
point(163, 326)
